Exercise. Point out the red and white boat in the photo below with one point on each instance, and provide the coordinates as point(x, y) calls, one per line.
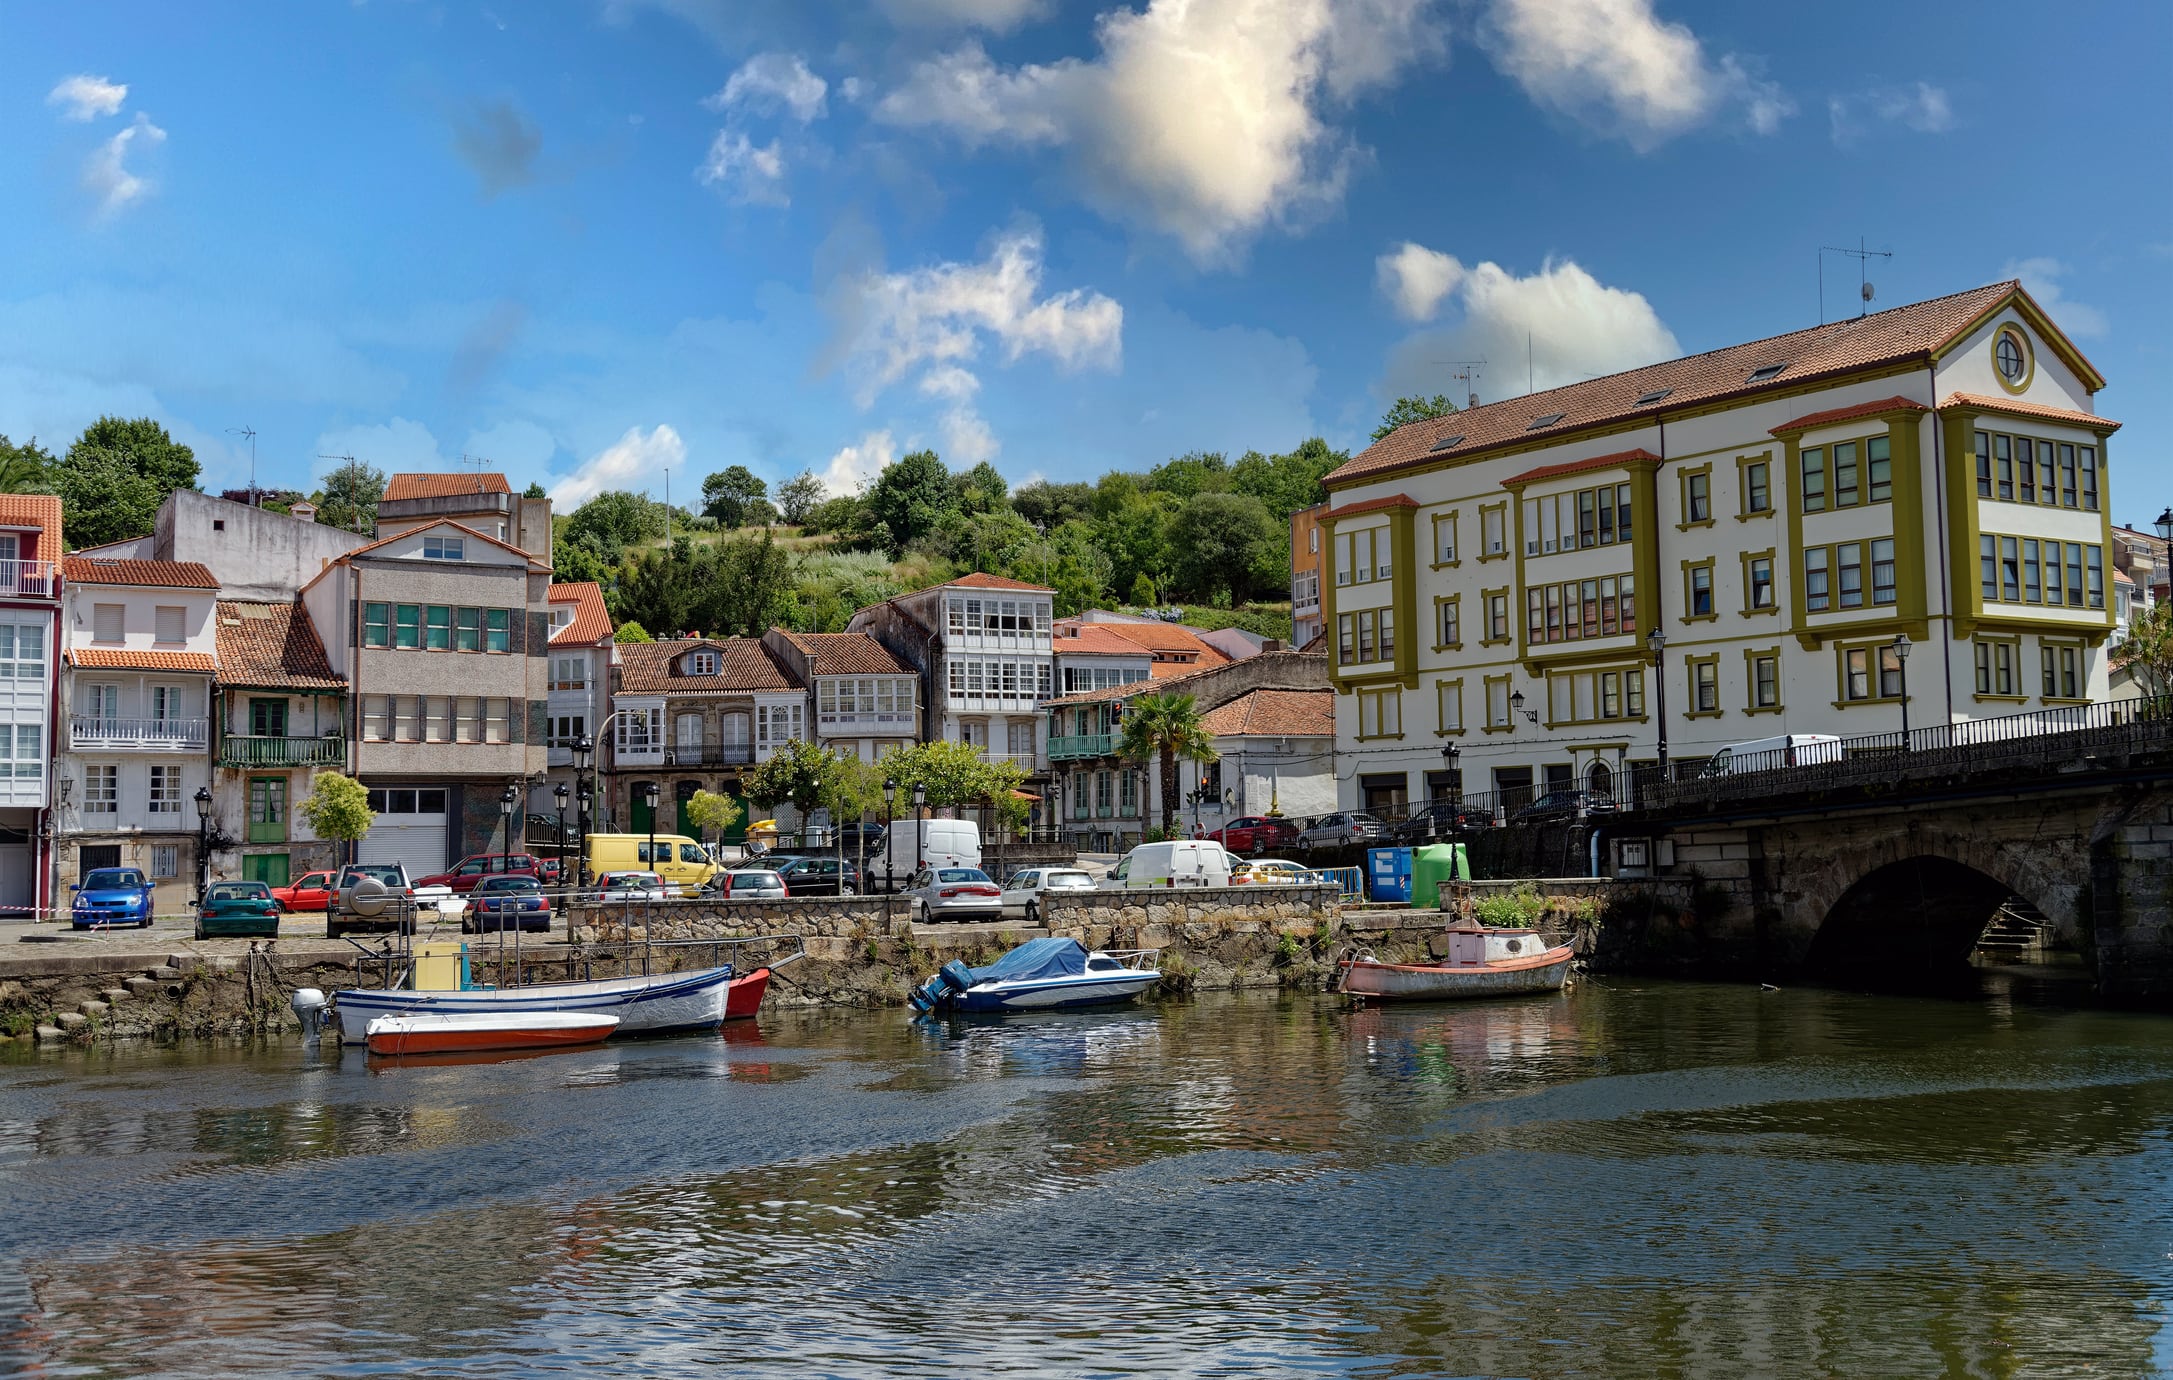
point(743, 995)
point(1480, 963)
point(473, 1032)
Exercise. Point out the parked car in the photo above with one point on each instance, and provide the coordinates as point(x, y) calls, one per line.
point(818, 875)
point(963, 894)
point(469, 872)
point(1255, 834)
point(238, 910)
point(858, 836)
point(1343, 829)
point(512, 900)
point(1768, 754)
point(1563, 804)
point(630, 886)
point(112, 896)
point(1022, 894)
point(1442, 819)
point(1270, 872)
point(311, 891)
point(1171, 862)
point(754, 884)
point(682, 862)
point(371, 897)
point(913, 844)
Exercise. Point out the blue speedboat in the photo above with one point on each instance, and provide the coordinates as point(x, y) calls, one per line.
point(1040, 975)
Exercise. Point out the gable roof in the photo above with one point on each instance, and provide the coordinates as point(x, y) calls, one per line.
point(105, 570)
point(535, 562)
point(846, 654)
point(272, 647)
point(1619, 460)
point(40, 510)
point(1074, 638)
point(406, 486)
point(2016, 407)
point(1172, 641)
point(591, 620)
point(1274, 714)
point(978, 580)
point(743, 665)
point(1918, 332)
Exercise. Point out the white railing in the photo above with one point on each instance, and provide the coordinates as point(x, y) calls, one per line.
point(88, 731)
point(26, 579)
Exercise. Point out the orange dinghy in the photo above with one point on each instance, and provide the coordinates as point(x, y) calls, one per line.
point(1480, 963)
point(470, 1032)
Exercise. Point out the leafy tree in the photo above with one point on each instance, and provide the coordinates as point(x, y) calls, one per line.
point(749, 587)
point(954, 773)
point(1130, 526)
point(995, 542)
point(910, 497)
point(707, 811)
point(574, 560)
point(337, 808)
point(349, 497)
point(1049, 506)
point(1286, 483)
point(799, 772)
point(727, 494)
point(114, 477)
point(631, 632)
point(534, 490)
point(617, 519)
point(1144, 594)
point(799, 496)
point(2146, 649)
point(849, 521)
point(1227, 548)
point(1408, 410)
point(1162, 728)
point(1199, 472)
point(981, 489)
point(25, 468)
point(761, 513)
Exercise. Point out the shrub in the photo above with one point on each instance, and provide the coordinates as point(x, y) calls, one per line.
point(1518, 909)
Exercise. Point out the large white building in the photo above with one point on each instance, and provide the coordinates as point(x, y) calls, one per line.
point(983, 649)
point(1779, 512)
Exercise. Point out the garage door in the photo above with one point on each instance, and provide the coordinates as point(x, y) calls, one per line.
point(410, 828)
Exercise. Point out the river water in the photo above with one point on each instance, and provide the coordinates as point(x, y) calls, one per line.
point(1630, 1179)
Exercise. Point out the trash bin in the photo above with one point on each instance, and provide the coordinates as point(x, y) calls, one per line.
point(1388, 873)
point(1431, 866)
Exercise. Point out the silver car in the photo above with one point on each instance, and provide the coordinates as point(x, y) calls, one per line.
point(370, 896)
point(1022, 894)
point(1343, 829)
point(963, 894)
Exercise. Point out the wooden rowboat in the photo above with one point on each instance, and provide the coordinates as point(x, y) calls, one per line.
point(1480, 963)
point(470, 1032)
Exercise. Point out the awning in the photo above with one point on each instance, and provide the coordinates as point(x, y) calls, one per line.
point(1024, 795)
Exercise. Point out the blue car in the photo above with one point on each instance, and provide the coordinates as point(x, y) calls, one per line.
point(110, 896)
point(510, 902)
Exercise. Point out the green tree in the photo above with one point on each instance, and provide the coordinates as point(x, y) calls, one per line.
point(1144, 594)
point(1162, 728)
point(349, 497)
point(1131, 527)
point(727, 495)
point(909, 498)
point(337, 808)
point(1286, 483)
point(1198, 472)
point(25, 468)
point(114, 477)
point(749, 587)
point(2146, 648)
point(954, 773)
point(1409, 410)
point(1049, 506)
point(709, 811)
point(800, 772)
point(1227, 548)
point(981, 489)
point(799, 496)
point(574, 560)
point(617, 519)
point(534, 490)
point(631, 632)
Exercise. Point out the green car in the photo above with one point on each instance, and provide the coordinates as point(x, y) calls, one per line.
point(238, 910)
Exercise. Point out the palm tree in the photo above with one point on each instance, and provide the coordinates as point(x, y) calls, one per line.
point(1165, 727)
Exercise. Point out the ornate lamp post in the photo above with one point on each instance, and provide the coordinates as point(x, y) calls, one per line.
point(1449, 753)
point(1657, 642)
point(890, 800)
point(584, 749)
point(1901, 660)
point(203, 839)
point(507, 800)
point(920, 833)
point(580, 859)
point(560, 792)
point(651, 793)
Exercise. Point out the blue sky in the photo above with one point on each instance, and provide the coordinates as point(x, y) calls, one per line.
point(594, 239)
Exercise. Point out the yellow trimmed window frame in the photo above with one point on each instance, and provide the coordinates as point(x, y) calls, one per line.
point(1761, 584)
point(1762, 680)
point(1499, 719)
point(1495, 538)
point(1449, 708)
point(1996, 669)
point(1494, 609)
point(1866, 673)
point(1696, 494)
point(1447, 554)
point(1701, 685)
point(2063, 670)
point(1699, 592)
point(1380, 714)
point(1754, 499)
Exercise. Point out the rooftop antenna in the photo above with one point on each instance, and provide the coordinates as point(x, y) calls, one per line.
point(348, 467)
point(249, 432)
point(1864, 290)
point(1468, 371)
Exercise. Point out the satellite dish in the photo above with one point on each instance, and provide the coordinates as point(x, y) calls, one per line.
point(1869, 290)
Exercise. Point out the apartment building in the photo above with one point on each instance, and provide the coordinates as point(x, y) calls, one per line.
point(279, 716)
point(694, 714)
point(1752, 541)
point(484, 502)
point(579, 690)
point(1305, 572)
point(30, 546)
point(140, 646)
point(982, 647)
point(1092, 656)
point(865, 700)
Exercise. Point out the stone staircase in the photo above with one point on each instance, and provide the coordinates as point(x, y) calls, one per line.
point(167, 976)
point(2017, 932)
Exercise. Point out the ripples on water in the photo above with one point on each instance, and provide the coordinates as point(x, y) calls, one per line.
point(1627, 1180)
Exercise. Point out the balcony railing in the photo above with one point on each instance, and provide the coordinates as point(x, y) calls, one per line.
point(1070, 747)
point(709, 754)
point(26, 579)
point(86, 731)
point(252, 750)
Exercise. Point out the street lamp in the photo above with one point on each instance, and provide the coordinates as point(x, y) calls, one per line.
point(890, 800)
point(581, 860)
point(1516, 705)
point(920, 831)
point(507, 799)
point(561, 793)
point(1901, 660)
point(203, 838)
point(1657, 641)
point(1449, 753)
point(584, 748)
point(651, 793)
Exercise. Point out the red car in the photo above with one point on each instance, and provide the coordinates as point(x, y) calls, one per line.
point(1255, 834)
point(468, 873)
point(310, 891)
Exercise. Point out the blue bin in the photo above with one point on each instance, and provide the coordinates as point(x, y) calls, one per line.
point(1388, 873)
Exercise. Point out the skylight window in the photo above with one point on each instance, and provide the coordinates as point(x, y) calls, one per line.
point(1545, 420)
point(1656, 395)
point(1448, 442)
point(1761, 375)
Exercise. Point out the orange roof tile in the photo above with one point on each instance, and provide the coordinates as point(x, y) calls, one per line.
point(743, 665)
point(1175, 684)
point(405, 486)
point(1835, 415)
point(272, 646)
point(1916, 332)
point(977, 580)
point(104, 570)
point(1074, 638)
point(1274, 714)
point(1598, 462)
point(129, 659)
point(591, 620)
point(2015, 407)
point(847, 654)
point(40, 509)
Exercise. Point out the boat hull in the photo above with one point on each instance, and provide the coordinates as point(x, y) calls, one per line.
point(1095, 989)
point(744, 997)
point(649, 1005)
point(1541, 972)
point(474, 1034)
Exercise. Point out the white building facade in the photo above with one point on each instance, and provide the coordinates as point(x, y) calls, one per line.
point(983, 649)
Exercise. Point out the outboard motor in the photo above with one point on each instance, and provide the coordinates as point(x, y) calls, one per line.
point(309, 1009)
point(956, 975)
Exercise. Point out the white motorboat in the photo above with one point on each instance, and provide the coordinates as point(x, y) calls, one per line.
point(644, 1005)
point(1040, 975)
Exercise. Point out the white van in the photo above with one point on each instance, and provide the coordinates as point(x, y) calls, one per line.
point(911, 844)
point(1178, 862)
point(1768, 754)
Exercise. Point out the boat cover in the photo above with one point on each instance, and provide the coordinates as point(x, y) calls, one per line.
point(1036, 958)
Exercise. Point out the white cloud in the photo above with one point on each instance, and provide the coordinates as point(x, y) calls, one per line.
point(1416, 278)
point(769, 82)
point(1618, 67)
point(1919, 106)
point(634, 461)
point(2041, 276)
point(996, 16)
point(853, 466)
point(87, 97)
point(391, 446)
point(106, 175)
point(1200, 118)
point(748, 172)
point(967, 439)
point(1574, 326)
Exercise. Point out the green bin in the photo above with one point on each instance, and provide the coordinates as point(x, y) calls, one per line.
point(1431, 866)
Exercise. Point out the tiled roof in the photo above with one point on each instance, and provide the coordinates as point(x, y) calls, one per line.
point(1833, 416)
point(591, 620)
point(977, 580)
point(847, 654)
point(1914, 332)
point(100, 570)
point(1175, 685)
point(2015, 407)
point(743, 665)
point(129, 659)
point(1274, 714)
point(272, 646)
point(406, 486)
point(1093, 639)
point(25, 509)
point(1598, 462)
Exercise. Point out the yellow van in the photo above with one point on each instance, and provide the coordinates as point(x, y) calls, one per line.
point(680, 861)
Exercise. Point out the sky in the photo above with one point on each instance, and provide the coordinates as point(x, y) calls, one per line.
point(592, 242)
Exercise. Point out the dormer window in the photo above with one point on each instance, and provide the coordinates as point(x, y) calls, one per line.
point(1545, 419)
point(702, 664)
point(444, 548)
point(1769, 372)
